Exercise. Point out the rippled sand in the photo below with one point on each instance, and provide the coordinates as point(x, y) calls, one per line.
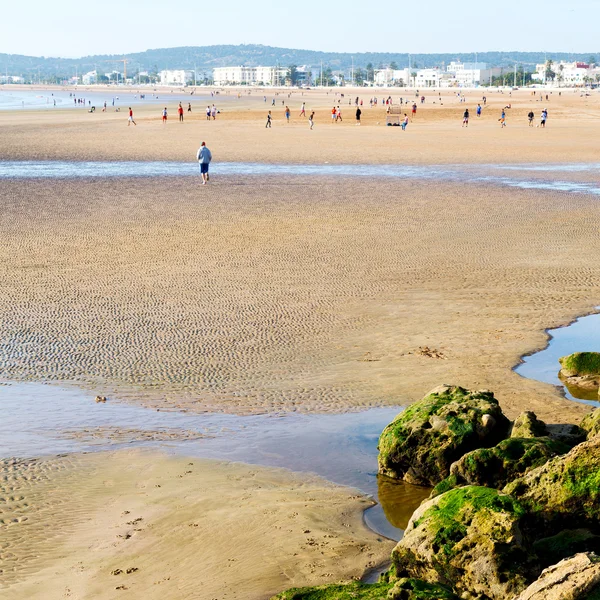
point(288, 294)
point(92, 526)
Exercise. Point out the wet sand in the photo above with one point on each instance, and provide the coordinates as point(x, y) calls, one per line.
point(282, 294)
point(143, 525)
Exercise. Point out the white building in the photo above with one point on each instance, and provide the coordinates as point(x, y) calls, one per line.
point(89, 78)
point(273, 76)
point(428, 78)
point(573, 74)
point(11, 79)
point(392, 77)
point(175, 77)
point(472, 74)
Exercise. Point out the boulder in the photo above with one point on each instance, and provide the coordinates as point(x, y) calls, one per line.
point(563, 493)
point(415, 589)
point(591, 423)
point(580, 364)
point(575, 578)
point(468, 539)
point(581, 370)
point(528, 425)
point(553, 549)
point(497, 466)
point(423, 441)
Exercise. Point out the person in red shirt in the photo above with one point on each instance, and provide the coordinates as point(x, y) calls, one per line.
point(180, 111)
point(130, 121)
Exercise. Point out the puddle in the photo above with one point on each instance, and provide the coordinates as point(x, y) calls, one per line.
point(478, 174)
point(40, 419)
point(583, 335)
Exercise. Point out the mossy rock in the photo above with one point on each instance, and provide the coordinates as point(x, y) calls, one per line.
point(415, 589)
point(468, 539)
point(527, 425)
point(580, 364)
point(565, 492)
point(552, 550)
point(338, 591)
point(497, 466)
point(591, 423)
point(422, 442)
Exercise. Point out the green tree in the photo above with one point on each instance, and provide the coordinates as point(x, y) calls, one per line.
point(592, 60)
point(292, 74)
point(370, 72)
point(550, 74)
point(359, 76)
point(394, 65)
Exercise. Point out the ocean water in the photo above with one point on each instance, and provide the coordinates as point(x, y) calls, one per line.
point(520, 176)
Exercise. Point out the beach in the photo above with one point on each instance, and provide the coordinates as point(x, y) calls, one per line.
point(273, 294)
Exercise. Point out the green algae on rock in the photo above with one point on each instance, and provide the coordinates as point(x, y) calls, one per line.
point(580, 364)
point(565, 492)
point(468, 539)
point(497, 466)
point(402, 589)
point(591, 423)
point(567, 543)
point(527, 425)
point(423, 441)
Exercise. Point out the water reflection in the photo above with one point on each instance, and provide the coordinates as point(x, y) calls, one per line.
point(399, 499)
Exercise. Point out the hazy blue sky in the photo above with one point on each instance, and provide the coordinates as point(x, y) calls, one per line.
point(74, 28)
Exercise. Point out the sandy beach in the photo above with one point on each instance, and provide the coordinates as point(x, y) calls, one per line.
point(268, 294)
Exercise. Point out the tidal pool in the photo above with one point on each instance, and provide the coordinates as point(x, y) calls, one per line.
point(583, 335)
point(39, 419)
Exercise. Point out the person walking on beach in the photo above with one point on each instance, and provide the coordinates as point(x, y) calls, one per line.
point(333, 114)
point(358, 113)
point(502, 119)
point(465, 122)
point(180, 111)
point(338, 115)
point(287, 114)
point(164, 115)
point(478, 110)
point(189, 107)
point(414, 109)
point(269, 119)
point(303, 110)
point(208, 113)
point(311, 119)
point(544, 117)
point(204, 157)
point(213, 112)
point(404, 122)
point(531, 117)
point(130, 120)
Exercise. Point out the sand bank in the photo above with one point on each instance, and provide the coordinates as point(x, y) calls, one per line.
point(137, 524)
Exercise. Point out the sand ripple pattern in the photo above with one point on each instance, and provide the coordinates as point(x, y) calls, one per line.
point(268, 295)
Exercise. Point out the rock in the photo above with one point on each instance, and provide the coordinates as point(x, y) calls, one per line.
point(563, 493)
point(415, 589)
point(591, 423)
point(553, 549)
point(528, 425)
point(422, 442)
point(468, 539)
point(575, 578)
point(566, 433)
point(100, 399)
point(580, 364)
point(495, 467)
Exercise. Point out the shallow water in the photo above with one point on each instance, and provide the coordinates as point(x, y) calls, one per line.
point(39, 419)
point(477, 174)
point(583, 335)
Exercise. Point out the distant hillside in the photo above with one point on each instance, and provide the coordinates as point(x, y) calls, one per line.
point(205, 58)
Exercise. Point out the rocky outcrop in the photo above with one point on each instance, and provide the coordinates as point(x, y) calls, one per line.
point(528, 425)
point(495, 467)
point(581, 370)
point(591, 423)
point(576, 578)
point(470, 540)
point(415, 589)
point(565, 492)
point(422, 442)
point(568, 542)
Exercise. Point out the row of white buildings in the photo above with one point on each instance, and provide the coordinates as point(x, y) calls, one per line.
point(569, 74)
point(270, 76)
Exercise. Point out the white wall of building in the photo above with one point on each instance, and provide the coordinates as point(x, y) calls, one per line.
point(175, 77)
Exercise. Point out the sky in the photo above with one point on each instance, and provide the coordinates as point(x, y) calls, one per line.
point(74, 28)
